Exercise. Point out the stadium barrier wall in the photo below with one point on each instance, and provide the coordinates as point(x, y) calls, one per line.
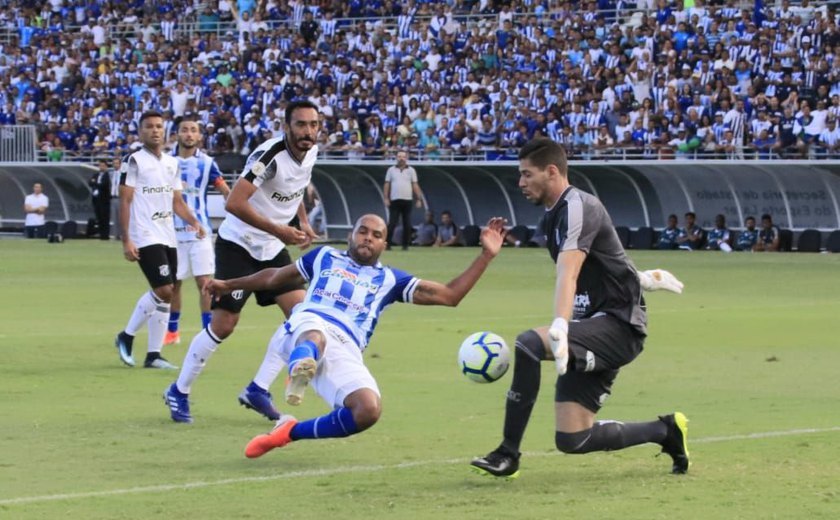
point(66, 184)
point(799, 195)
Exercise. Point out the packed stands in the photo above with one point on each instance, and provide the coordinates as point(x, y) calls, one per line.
point(446, 80)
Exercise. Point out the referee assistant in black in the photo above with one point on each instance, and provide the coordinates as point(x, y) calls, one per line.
point(599, 326)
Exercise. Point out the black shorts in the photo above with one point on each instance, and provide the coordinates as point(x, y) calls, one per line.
point(159, 263)
point(233, 261)
point(599, 346)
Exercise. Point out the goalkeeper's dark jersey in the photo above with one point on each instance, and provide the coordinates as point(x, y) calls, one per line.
point(607, 282)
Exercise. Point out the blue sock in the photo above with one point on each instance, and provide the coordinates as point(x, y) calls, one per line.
point(205, 319)
point(304, 350)
point(173, 321)
point(338, 423)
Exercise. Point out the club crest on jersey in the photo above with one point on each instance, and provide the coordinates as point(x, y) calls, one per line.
point(237, 294)
point(258, 168)
point(349, 277)
point(164, 270)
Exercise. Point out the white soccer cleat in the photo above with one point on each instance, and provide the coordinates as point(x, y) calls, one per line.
point(299, 378)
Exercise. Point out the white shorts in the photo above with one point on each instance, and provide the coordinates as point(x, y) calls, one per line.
point(341, 371)
point(196, 258)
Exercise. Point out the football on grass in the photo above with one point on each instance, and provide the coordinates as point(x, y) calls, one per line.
point(484, 357)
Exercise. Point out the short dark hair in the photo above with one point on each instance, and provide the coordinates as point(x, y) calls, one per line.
point(543, 152)
point(690, 214)
point(147, 114)
point(749, 218)
point(672, 216)
point(767, 216)
point(190, 118)
point(294, 105)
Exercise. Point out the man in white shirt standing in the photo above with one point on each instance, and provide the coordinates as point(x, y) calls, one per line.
point(253, 236)
point(35, 206)
point(399, 189)
point(150, 191)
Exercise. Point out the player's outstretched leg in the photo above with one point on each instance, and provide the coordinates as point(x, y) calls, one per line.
point(504, 460)
point(361, 410)
point(669, 431)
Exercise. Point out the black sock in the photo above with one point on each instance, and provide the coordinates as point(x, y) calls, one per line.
point(610, 435)
point(523, 390)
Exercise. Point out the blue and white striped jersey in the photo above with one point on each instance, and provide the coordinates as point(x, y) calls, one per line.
point(350, 295)
point(197, 174)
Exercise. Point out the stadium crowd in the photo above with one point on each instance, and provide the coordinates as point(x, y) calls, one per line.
point(460, 78)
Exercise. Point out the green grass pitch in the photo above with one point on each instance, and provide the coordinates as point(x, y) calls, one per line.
point(750, 352)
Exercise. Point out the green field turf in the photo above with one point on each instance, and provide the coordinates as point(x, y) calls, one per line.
point(750, 352)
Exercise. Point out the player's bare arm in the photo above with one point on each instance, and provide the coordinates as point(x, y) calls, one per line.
point(126, 197)
point(182, 210)
point(568, 268)
point(451, 294)
point(306, 227)
point(567, 271)
point(262, 280)
point(222, 187)
point(237, 204)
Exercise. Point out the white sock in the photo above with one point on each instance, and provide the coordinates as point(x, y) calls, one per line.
point(158, 324)
point(725, 247)
point(201, 348)
point(142, 312)
point(273, 364)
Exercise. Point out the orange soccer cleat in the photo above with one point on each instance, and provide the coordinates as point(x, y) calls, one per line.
point(277, 438)
point(172, 338)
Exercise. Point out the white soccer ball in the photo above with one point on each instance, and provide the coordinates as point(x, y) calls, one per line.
point(484, 357)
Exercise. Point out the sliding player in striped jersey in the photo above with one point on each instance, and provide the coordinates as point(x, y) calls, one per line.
point(323, 340)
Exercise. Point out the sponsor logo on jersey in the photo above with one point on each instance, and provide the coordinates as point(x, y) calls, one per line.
point(279, 197)
point(161, 215)
point(347, 276)
point(156, 189)
point(582, 303)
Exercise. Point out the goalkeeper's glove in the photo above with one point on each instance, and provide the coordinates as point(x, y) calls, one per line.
point(558, 339)
point(660, 279)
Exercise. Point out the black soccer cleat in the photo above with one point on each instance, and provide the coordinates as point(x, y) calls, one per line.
point(498, 463)
point(676, 442)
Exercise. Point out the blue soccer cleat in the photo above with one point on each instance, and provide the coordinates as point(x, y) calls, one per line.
point(178, 403)
point(124, 344)
point(255, 398)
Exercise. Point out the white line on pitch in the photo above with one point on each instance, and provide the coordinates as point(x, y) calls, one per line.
point(325, 472)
